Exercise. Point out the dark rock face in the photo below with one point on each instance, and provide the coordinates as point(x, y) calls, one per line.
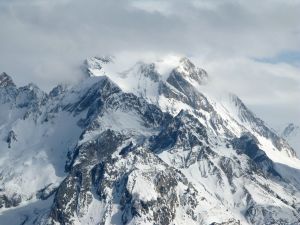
point(149, 70)
point(191, 96)
point(247, 144)
point(93, 97)
point(182, 131)
point(96, 63)
point(247, 116)
point(57, 91)
point(127, 149)
point(261, 215)
point(8, 89)
point(79, 183)
point(229, 222)
point(46, 192)
point(9, 202)
point(113, 180)
point(30, 96)
point(11, 137)
point(6, 81)
point(196, 74)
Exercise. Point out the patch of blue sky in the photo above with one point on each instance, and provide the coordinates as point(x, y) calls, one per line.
point(290, 57)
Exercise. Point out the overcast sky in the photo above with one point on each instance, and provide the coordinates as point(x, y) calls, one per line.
point(249, 47)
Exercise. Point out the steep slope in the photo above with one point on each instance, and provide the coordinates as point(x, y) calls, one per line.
point(150, 145)
point(181, 87)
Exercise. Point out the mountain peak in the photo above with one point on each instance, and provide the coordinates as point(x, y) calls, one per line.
point(291, 133)
point(186, 62)
point(189, 71)
point(96, 63)
point(290, 128)
point(6, 80)
point(144, 146)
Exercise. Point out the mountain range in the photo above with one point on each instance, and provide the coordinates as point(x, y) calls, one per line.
point(149, 144)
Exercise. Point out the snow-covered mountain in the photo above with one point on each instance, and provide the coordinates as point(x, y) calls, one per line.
point(292, 134)
point(152, 144)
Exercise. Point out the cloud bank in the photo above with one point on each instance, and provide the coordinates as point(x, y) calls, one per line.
point(244, 45)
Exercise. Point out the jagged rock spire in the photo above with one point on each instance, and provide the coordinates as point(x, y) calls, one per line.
point(96, 63)
point(6, 80)
point(188, 69)
point(11, 137)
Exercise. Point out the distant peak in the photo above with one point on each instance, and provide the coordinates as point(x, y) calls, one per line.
point(106, 59)
point(191, 72)
point(290, 128)
point(96, 63)
point(31, 87)
point(6, 80)
point(148, 70)
point(184, 61)
point(58, 90)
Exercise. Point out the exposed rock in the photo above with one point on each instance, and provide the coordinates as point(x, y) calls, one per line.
point(6, 80)
point(11, 137)
point(9, 202)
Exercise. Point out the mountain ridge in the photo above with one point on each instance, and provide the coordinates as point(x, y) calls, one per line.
point(141, 147)
point(292, 134)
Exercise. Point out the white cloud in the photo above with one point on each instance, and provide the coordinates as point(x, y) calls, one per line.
point(153, 6)
point(46, 41)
